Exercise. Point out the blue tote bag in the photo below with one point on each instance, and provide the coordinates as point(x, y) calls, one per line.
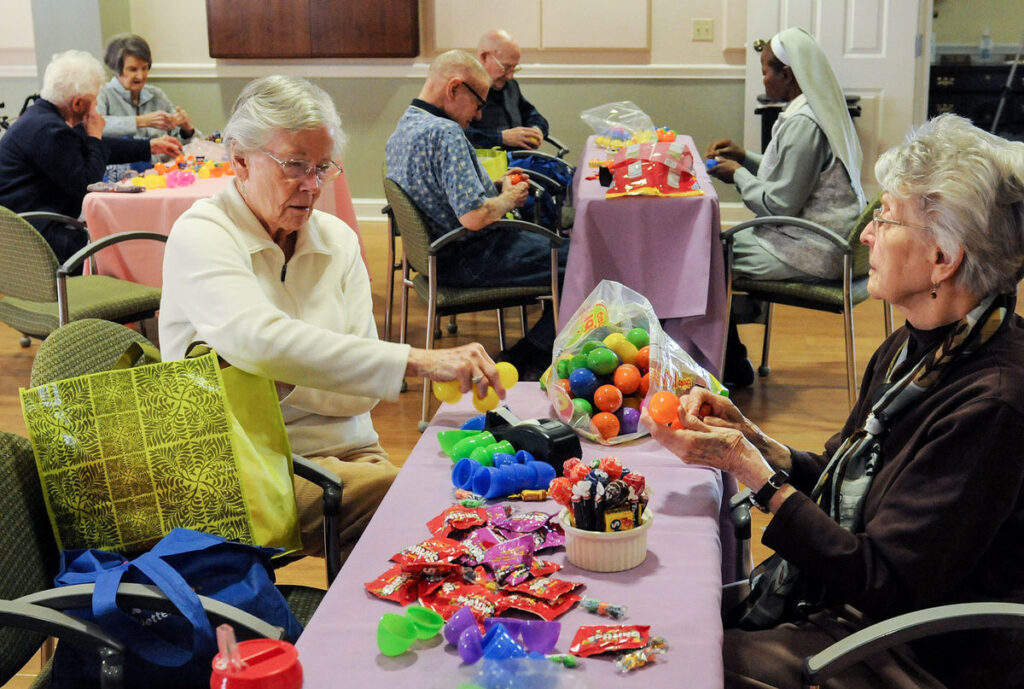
point(169, 650)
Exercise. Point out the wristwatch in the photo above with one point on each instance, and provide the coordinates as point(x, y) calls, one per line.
point(765, 492)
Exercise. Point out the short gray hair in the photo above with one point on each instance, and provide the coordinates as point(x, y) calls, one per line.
point(970, 186)
point(280, 103)
point(456, 63)
point(122, 45)
point(71, 74)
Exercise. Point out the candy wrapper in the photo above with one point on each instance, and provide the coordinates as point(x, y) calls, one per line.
point(396, 585)
point(614, 340)
point(457, 518)
point(452, 595)
point(545, 588)
point(628, 662)
point(653, 169)
point(548, 610)
point(604, 638)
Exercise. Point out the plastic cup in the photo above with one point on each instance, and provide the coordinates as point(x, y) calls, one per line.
point(543, 475)
point(427, 622)
point(471, 647)
point(540, 636)
point(271, 664)
point(458, 623)
point(498, 644)
point(463, 472)
point(395, 634)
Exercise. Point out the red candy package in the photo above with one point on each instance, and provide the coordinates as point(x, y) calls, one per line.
point(396, 585)
point(476, 544)
point(431, 553)
point(603, 638)
point(542, 568)
point(457, 518)
point(545, 588)
point(547, 610)
point(452, 595)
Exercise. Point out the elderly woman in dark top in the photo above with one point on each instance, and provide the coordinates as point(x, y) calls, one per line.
point(919, 500)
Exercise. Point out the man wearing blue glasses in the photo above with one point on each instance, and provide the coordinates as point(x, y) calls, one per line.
point(507, 119)
point(429, 156)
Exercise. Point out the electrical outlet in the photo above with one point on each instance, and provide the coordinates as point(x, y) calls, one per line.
point(703, 29)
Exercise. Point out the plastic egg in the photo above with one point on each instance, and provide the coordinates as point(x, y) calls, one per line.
point(638, 337)
point(507, 373)
point(645, 384)
point(643, 358)
point(563, 367)
point(626, 351)
point(627, 378)
point(588, 346)
point(583, 382)
point(581, 406)
point(633, 401)
point(602, 361)
point(447, 391)
point(487, 402)
point(614, 339)
point(664, 407)
point(629, 419)
point(605, 424)
point(578, 361)
point(608, 398)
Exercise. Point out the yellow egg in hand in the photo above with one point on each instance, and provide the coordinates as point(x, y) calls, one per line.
point(487, 402)
point(447, 391)
point(508, 374)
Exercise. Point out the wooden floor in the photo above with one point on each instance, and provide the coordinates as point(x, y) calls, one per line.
point(801, 403)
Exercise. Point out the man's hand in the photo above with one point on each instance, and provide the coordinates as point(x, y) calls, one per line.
point(93, 122)
point(725, 149)
point(725, 170)
point(156, 120)
point(522, 137)
point(165, 145)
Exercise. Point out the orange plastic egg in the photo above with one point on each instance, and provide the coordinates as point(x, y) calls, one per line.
point(605, 424)
point(627, 378)
point(643, 358)
point(664, 407)
point(608, 398)
point(645, 383)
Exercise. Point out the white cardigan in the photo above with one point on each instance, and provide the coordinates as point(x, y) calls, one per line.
point(222, 284)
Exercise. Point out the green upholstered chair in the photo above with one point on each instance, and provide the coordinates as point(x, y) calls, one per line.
point(92, 345)
point(419, 255)
point(37, 294)
point(839, 296)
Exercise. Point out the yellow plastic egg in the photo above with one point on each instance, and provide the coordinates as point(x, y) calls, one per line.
point(626, 350)
point(447, 391)
point(508, 374)
point(487, 402)
point(611, 340)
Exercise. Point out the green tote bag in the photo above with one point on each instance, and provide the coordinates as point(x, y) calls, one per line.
point(127, 455)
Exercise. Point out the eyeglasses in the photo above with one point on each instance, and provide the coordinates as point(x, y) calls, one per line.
point(879, 220)
point(480, 101)
point(503, 68)
point(296, 168)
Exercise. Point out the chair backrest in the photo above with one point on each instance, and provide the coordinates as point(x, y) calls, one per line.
point(860, 250)
point(28, 552)
point(411, 225)
point(28, 266)
point(80, 347)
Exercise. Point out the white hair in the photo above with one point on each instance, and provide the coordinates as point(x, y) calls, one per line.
point(271, 104)
point(970, 186)
point(71, 74)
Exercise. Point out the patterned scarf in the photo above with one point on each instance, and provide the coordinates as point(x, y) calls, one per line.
point(777, 590)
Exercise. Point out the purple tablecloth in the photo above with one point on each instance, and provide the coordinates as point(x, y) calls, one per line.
point(664, 248)
point(677, 590)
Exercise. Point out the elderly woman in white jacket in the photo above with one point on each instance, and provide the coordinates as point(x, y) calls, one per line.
point(280, 290)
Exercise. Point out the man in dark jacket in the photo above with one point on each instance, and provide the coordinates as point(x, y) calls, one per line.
point(55, 150)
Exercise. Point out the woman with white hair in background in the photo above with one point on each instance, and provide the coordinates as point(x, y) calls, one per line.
point(280, 290)
point(56, 148)
point(810, 170)
point(919, 500)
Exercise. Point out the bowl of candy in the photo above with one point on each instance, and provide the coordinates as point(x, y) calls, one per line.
point(605, 515)
point(606, 551)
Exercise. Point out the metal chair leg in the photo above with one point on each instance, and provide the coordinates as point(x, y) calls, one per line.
point(501, 329)
point(764, 369)
point(851, 357)
point(453, 325)
point(431, 320)
point(389, 286)
point(522, 319)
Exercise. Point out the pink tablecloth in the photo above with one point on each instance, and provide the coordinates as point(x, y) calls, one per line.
point(155, 210)
point(677, 590)
point(664, 248)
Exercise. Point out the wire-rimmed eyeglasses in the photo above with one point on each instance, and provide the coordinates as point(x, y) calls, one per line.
point(297, 168)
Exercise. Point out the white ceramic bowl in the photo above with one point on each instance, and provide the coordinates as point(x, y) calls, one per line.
point(606, 551)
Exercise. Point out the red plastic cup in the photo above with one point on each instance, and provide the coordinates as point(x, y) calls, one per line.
point(271, 664)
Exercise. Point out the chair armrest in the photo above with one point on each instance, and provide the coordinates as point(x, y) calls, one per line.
point(56, 217)
point(86, 635)
point(908, 627)
point(562, 148)
point(569, 168)
point(89, 249)
point(151, 598)
point(739, 510)
point(520, 225)
point(814, 227)
point(332, 488)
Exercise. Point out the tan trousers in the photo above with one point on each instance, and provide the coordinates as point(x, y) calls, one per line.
point(772, 658)
point(366, 474)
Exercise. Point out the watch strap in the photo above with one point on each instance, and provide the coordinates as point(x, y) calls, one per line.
point(764, 494)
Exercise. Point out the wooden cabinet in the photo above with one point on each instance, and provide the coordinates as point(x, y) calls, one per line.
point(973, 91)
point(312, 28)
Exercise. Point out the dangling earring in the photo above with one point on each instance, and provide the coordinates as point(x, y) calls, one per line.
point(935, 289)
